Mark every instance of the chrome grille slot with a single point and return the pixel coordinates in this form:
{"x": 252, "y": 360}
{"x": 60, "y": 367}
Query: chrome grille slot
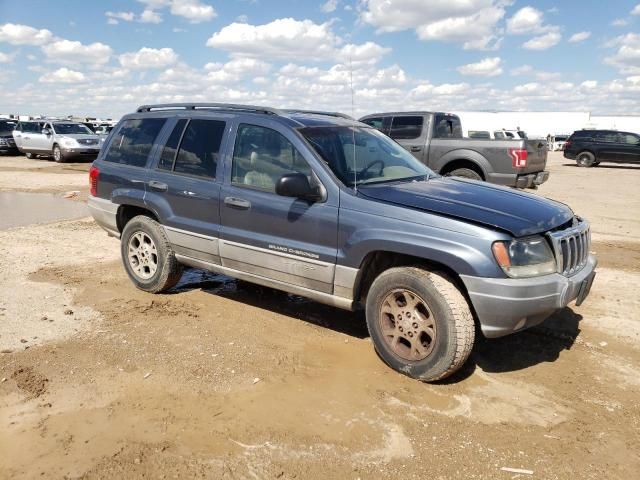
{"x": 571, "y": 247}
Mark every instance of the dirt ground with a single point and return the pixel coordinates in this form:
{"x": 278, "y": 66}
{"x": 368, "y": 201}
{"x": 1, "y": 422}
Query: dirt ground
{"x": 221, "y": 379}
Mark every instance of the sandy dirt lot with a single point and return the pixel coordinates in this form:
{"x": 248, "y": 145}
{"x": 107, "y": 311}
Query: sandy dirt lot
{"x": 221, "y": 379}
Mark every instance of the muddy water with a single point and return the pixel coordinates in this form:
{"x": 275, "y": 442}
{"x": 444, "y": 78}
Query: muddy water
{"x": 20, "y": 208}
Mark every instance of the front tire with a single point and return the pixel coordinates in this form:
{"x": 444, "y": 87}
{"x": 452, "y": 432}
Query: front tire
{"x": 148, "y": 257}
{"x": 465, "y": 173}
{"x": 419, "y": 322}
{"x": 57, "y": 154}
{"x": 586, "y": 159}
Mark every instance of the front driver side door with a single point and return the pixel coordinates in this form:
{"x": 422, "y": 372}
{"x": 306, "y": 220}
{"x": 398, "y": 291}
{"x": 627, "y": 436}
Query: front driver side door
{"x": 284, "y": 239}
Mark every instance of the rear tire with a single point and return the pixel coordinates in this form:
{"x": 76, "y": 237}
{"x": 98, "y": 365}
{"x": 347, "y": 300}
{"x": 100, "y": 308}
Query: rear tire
{"x": 464, "y": 173}
{"x": 419, "y": 322}
{"x": 148, "y": 257}
{"x": 586, "y": 159}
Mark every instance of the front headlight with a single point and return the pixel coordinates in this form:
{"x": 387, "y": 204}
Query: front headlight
{"x": 3, "y": 142}
{"x": 525, "y": 257}
{"x": 69, "y": 142}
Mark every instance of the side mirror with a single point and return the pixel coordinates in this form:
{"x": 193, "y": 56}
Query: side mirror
{"x": 46, "y": 131}
{"x": 297, "y": 185}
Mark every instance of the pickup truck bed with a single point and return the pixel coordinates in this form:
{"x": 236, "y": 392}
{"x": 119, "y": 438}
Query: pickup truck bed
{"x": 436, "y": 140}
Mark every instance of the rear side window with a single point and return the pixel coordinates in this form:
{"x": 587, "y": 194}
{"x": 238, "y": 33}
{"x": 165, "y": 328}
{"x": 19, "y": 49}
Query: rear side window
{"x": 200, "y": 147}
{"x": 607, "y": 137}
{"x": 447, "y": 126}
{"x": 134, "y": 141}
{"x": 170, "y": 149}
{"x": 406, "y": 128}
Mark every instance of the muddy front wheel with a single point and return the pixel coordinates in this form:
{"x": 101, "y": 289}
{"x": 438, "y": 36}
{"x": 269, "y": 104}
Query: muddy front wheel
{"x": 419, "y": 322}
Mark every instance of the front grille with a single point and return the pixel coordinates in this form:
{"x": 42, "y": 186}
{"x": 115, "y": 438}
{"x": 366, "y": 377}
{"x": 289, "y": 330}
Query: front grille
{"x": 87, "y": 141}
{"x": 571, "y": 247}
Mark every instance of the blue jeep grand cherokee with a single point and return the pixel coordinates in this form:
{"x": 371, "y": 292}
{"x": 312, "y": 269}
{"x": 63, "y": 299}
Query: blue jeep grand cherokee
{"x": 320, "y": 205}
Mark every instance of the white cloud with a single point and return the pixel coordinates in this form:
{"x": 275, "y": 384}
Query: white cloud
{"x": 470, "y": 22}
{"x": 125, "y": 16}
{"x": 16, "y": 34}
{"x": 150, "y": 16}
{"x": 73, "y": 52}
{"x": 526, "y": 20}
{"x": 63, "y": 75}
{"x": 636, "y": 10}
{"x": 287, "y": 38}
{"x": 620, "y": 22}
{"x": 195, "y": 11}
{"x": 579, "y": 37}
{"x": 543, "y": 42}
{"x": 6, "y": 57}
{"x": 329, "y": 6}
{"x": 522, "y": 70}
{"x": 487, "y": 67}
{"x": 146, "y": 58}
{"x": 589, "y": 84}
{"x": 627, "y": 58}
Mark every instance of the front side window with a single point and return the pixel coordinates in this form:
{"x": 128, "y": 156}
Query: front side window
{"x": 406, "y": 128}
{"x": 447, "y": 126}
{"x": 133, "y": 142}
{"x": 261, "y": 156}
{"x": 360, "y": 155}
{"x": 70, "y": 129}
{"x": 31, "y": 127}
{"x": 200, "y": 148}
{"x": 629, "y": 139}
{"x": 376, "y": 122}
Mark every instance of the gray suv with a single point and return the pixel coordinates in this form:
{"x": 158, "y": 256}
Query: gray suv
{"x": 320, "y": 205}
{"x": 62, "y": 140}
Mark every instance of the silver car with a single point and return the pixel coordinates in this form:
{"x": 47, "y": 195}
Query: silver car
{"x": 62, "y": 140}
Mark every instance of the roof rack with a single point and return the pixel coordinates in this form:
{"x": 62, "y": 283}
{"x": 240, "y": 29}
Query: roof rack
{"x": 318, "y": 112}
{"x": 204, "y": 106}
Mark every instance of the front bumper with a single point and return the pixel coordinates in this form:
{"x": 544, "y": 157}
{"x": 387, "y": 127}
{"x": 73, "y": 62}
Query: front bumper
{"x": 532, "y": 180}
{"x": 507, "y": 305}
{"x": 80, "y": 152}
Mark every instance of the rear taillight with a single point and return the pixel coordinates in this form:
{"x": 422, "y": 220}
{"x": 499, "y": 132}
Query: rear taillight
{"x": 567, "y": 144}
{"x": 94, "y": 173}
{"x": 519, "y": 157}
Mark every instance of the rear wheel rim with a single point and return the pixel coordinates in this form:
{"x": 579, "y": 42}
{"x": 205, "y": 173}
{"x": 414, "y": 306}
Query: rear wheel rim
{"x": 407, "y": 325}
{"x": 142, "y": 255}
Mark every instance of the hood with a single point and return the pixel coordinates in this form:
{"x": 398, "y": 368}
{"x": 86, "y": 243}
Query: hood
{"x": 78, "y": 136}
{"x": 516, "y": 212}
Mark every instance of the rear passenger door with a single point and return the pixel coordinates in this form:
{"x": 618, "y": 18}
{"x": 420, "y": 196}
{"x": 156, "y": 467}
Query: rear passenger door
{"x": 183, "y": 189}
{"x": 284, "y": 239}
{"x": 606, "y": 146}
{"x": 409, "y": 131}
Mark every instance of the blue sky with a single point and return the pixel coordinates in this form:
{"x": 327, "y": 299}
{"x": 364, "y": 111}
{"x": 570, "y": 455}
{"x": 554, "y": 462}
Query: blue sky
{"x": 104, "y": 58}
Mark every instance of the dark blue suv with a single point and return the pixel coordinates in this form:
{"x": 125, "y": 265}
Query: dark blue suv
{"x": 320, "y": 205}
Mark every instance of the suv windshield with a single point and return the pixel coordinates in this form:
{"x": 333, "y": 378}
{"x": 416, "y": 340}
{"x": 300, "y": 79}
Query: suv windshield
{"x": 359, "y": 155}
{"x": 7, "y": 127}
{"x": 71, "y": 129}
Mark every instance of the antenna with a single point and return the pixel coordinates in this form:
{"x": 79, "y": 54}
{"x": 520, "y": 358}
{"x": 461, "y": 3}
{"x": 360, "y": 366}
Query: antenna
{"x": 353, "y": 132}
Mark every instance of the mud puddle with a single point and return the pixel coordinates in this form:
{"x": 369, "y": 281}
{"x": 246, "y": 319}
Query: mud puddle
{"x": 21, "y": 208}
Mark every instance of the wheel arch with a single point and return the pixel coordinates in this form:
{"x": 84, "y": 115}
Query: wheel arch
{"x": 463, "y": 163}
{"x": 126, "y": 212}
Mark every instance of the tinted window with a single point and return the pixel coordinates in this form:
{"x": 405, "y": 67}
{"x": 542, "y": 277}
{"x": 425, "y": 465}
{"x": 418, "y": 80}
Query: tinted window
{"x": 406, "y": 128}
{"x": 198, "y": 154}
{"x": 376, "y": 122}
{"x": 6, "y": 127}
{"x": 581, "y": 134}
{"x": 628, "y": 138}
{"x": 479, "y": 134}
{"x": 133, "y": 142}
{"x": 607, "y": 137}
{"x": 447, "y": 126}
{"x": 32, "y": 127}
{"x": 261, "y": 156}
{"x": 170, "y": 149}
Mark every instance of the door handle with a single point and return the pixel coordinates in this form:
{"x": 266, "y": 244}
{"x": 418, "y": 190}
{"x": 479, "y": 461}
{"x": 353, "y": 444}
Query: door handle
{"x": 237, "y": 203}
{"x": 159, "y": 186}
{"x": 416, "y": 149}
